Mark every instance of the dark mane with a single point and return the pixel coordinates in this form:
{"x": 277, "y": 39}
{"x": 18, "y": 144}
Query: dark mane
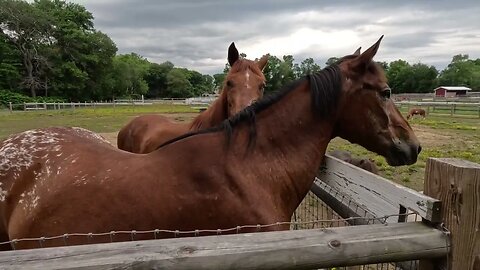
{"x": 325, "y": 89}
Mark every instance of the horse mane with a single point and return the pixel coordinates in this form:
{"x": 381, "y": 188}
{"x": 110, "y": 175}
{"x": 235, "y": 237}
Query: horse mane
{"x": 325, "y": 88}
{"x": 213, "y": 115}
{"x": 217, "y": 112}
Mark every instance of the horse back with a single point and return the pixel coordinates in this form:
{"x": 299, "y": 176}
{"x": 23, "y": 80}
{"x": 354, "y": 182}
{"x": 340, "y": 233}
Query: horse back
{"x": 146, "y": 133}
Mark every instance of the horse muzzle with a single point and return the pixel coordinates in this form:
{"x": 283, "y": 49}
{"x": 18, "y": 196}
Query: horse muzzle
{"x": 403, "y": 153}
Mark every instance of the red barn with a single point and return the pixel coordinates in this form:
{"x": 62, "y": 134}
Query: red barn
{"x": 451, "y": 91}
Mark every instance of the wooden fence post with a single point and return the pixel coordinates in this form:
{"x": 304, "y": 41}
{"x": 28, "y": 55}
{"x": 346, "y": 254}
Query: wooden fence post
{"x": 456, "y": 183}
{"x": 10, "y": 106}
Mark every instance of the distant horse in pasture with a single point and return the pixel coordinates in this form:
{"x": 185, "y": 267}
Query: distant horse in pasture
{"x": 364, "y": 163}
{"x": 416, "y": 111}
{"x": 254, "y": 168}
{"x": 243, "y": 85}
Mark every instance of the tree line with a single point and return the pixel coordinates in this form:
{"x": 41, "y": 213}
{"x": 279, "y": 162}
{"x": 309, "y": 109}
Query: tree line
{"x": 50, "y": 49}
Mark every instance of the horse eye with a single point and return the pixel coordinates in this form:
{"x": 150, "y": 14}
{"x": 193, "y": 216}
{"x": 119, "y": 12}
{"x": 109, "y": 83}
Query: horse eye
{"x": 386, "y": 93}
{"x": 229, "y": 83}
{"x": 261, "y": 87}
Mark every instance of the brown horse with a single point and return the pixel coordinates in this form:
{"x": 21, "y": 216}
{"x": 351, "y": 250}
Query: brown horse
{"x": 254, "y": 168}
{"x": 243, "y": 85}
{"x": 416, "y": 111}
{"x": 364, "y": 163}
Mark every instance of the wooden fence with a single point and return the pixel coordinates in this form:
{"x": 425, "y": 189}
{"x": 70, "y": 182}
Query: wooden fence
{"x": 471, "y": 109}
{"x": 359, "y": 197}
{"x": 444, "y": 108}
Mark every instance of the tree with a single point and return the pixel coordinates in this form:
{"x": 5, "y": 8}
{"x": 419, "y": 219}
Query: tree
{"x": 400, "y": 76}
{"x": 128, "y": 75}
{"x": 81, "y": 56}
{"x": 156, "y": 79}
{"x": 178, "y": 84}
{"x": 29, "y": 29}
{"x": 218, "y": 80}
{"x": 405, "y": 78}
{"x": 331, "y": 61}
{"x": 10, "y": 65}
{"x": 307, "y": 66}
{"x": 272, "y": 74}
{"x": 425, "y": 78}
{"x": 461, "y": 71}
{"x": 286, "y": 69}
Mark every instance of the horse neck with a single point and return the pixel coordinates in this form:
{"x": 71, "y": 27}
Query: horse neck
{"x": 214, "y": 115}
{"x": 289, "y": 148}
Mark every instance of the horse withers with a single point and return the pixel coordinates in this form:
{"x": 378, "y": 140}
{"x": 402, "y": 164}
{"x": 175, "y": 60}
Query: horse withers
{"x": 243, "y": 85}
{"x": 254, "y": 168}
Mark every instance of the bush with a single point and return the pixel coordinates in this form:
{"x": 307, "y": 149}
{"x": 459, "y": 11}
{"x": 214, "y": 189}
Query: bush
{"x": 16, "y": 98}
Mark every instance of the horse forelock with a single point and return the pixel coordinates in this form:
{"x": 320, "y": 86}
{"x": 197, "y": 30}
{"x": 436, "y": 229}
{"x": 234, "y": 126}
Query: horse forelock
{"x": 242, "y": 65}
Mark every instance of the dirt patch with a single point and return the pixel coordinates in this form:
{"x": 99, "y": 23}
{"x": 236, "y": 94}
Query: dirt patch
{"x": 431, "y": 137}
{"x": 111, "y": 137}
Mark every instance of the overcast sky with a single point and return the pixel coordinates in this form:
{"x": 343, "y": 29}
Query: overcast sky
{"x": 196, "y": 33}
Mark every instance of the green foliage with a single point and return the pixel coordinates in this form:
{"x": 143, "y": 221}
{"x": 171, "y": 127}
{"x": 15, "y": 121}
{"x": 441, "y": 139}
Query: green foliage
{"x": 10, "y": 65}
{"x": 16, "y": 98}
{"x": 29, "y": 30}
{"x": 178, "y": 85}
{"x": 307, "y": 66}
{"x": 157, "y": 79}
{"x": 405, "y": 78}
{"x": 128, "y": 75}
{"x": 461, "y": 71}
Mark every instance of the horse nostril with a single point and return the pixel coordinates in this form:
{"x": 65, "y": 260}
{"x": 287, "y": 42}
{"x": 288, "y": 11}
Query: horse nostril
{"x": 419, "y": 149}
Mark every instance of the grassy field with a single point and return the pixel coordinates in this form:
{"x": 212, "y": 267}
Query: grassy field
{"x": 441, "y": 136}
{"x": 103, "y": 119}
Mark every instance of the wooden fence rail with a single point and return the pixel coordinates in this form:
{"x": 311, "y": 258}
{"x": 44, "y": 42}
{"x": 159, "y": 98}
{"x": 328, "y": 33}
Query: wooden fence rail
{"x": 303, "y": 249}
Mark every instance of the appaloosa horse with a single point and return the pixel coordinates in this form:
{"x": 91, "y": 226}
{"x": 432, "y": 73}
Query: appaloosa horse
{"x": 416, "y": 111}
{"x": 254, "y": 168}
{"x": 243, "y": 85}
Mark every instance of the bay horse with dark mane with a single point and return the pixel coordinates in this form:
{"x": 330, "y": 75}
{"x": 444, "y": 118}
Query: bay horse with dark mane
{"x": 416, "y": 111}
{"x": 254, "y": 168}
{"x": 243, "y": 85}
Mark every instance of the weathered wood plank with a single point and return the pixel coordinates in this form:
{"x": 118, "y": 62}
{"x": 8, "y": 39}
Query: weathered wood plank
{"x": 457, "y": 183}
{"x": 303, "y": 249}
{"x": 377, "y": 194}
{"x": 345, "y": 206}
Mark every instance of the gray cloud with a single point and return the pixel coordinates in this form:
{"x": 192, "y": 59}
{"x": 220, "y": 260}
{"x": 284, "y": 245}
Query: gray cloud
{"x": 196, "y": 34}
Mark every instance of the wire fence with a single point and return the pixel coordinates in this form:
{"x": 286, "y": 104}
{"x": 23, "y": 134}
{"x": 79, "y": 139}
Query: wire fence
{"x": 134, "y": 235}
{"x": 312, "y": 208}
{"x": 312, "y": 213}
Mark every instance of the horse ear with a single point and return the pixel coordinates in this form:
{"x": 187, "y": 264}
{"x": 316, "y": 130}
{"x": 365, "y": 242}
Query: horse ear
{"x": 366, "y": 57}
{"x": 357, "y": 52}
{"x": 262, "y": 62}
{"x": 233, "y": 54}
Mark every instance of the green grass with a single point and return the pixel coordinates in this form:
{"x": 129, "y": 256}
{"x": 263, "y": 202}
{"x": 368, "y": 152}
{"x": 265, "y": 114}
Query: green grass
{"x": 103, "y": 119}
{"x": 443, "y": 137}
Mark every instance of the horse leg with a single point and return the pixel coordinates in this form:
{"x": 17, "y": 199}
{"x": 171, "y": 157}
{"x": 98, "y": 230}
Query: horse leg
{"x": 3, "y": 233}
